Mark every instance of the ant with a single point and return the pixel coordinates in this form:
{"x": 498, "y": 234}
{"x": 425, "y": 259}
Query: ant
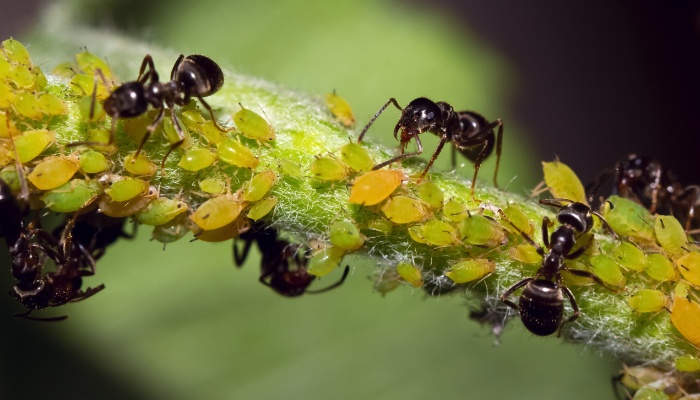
{"x": 95, "y": 231}
{"x": 470, "y": 133}
{"x": 192, "y": 76}
{"x": 277, "y": 254}
{"x": 541, "y": 304}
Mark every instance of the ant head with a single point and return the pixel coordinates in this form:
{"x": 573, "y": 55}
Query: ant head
{"x": 577, "y": 215}
{"x": 199, "y": 75}
{"x": 128, "y": 100}
{"x": 419, "y": 116}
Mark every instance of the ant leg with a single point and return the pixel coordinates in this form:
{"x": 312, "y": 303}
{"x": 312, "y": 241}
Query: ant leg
{"x": 175, "y": 145}
{"x": 432, "y": 159}
{"x": 402, "y": 156}
{"x": 335, "y": 285}
{"x": 507, "y": 293}
{"x": 175, "y": 66}
{"x": 150, "y": 72}
{"x": 98, "y": 72}
{"x": 499, "y": 145}
{"x": 527, "y": 237}
{"x": 149, "y": 130}
{"x": 211, "y": 112}
{"x": 655, "y": 191}
{"x": 574, "y": 306}
{"x": 371, "y": 121}
{"x": 555, "y": 202}
{"x": 601, "y": 179}
{"x": 591, "y": 275}
{"x": 25, "y": 315}
{"x": 605, "y": 224}
{"x": 239, "y": 259}
{"x": 545, "y": 232}
{"x": 87, "y": 293}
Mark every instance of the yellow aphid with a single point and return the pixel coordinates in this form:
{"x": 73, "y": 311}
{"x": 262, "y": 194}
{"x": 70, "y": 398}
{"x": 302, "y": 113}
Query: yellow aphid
{"x": 7, "y": 126}
{"x": 252, "y": 125}
{"x": 140, "y": 166}
{"x": 563, "y": 182}
{"x": 121, "y": 209}
{"x": 262, "y": 208}
{"x": 126, "y": 189}
{"x": 211, "y": 132}
{"x": 196, "y": 159}
{"x": 375, "y": 186}
{"x": 226, "y": 232}
{"x": 235, "y": 153}
{"x": 32, "y": 143}
{"x": 410, "y": 274}
{"x": 628, "y": 218}
{"x": 217, "y": 212}
{"x": 258, "y": 186}
{"x": 213, "y": 186}
{"x": 517, "y": 218}
{"x": 404, "y": 210}
{"x": 161, "y": 211}
{"x": 380, "y": 224}
{"x": 470, "y": 270}
{"x": 670, "y": 234}
{"x": 7, "y": 95}
{"x": 52, "y": 173}
{"x": 328, "y": 169}
{"x": 525, "y": 253}
{"x": 685, "y": 316}
{"x": 340, "y": 109}
{"x": 689, "y": 266}
{"x": 27, "y": 105}
{"x": 438, "y": 233}
{"x": 648, "y": 300}
{"x": 89, "y": 63}
{"x": 50, "y": 104}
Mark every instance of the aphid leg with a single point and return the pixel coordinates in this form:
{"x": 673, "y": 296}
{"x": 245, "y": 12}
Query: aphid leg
{"x": 402, "y": 156}
{"x": 335, "y": 285}
{"x": 152, "y": 127}
{"x": 371, "y": 121}
{"x": 507, "y": 293}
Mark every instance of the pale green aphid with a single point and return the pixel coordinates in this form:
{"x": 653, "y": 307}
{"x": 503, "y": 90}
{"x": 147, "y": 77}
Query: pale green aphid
{"x": 89, "y": 63}
{"x": 27, "y": 105}
{"x": 628, "y": 218}
{"x": 607, "y": 270}
{"x": 670, "y": 234}
{"x": 454, "y": 211}
{"x": 213, "y": 186}
{"x": 98, "y": 113}
{"x": 481, "y": 231}
{"x": 345, "y": 235}
{"x": 196, "y": 159}
{"x": 252, "y": 125}
{"x": 262, "y": 208}
{"x": 410, "y": 274}
{"x": 139, "y": 166}
{"x": 563, "y": 182}
{"x": 687, "y": 363}
{"x": 32, "y": 143}
{"x": 71, "y": 196}
{"x": 570, "y": 279}
{"x": 356, "y": 157}
{"x": 93, "y": 162}
{"x": 438, "y": 233}
{"x": 387, "y": 281}
{"x": 648, "y": 300}
{"x": 660, "y": 268}
{"x": 15, "y": 51}
{"x": 126, "y": 189}
{"x": 211, "y": 132}
{"x": 258, "y": 186}
{"x": 689, "y": 266}
{"x": 517, "y": 219}
{"x": 4, "y": 67}
{"x": 7, "y": 95}
{"x": 328, "y": 169}
{"x": 172, "y": 135}
{"x": 161, "y": 211}
{"x": 50, "y": 104}
{"x": 470, "y": 270}
{"x": 340, "y": 109}
{"x": 325, "y": 261}
{"x": 525, "y": 253}
{"x": 21, "y": 77}
{"x": 52, "y": 172}
{"x": 235, "y": 153}
{"x": 380, "y": 224}
{"x": 431, "y": 194}
{"x": 9, "y": 176}
{"x": 290, "y": 168}
{"x": 404, "y": 210}
{"x": 83, "y": 85}
{"x": 629, "y": 256}
{"x": 416, "y": 234}
{"x": 171, "y": 231}
{"x": 40, "y": 80}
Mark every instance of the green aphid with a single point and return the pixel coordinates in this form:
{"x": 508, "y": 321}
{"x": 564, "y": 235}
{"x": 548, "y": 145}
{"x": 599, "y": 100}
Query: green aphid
{"x": 139, "y": 166}
{"x": 21, "y": 77}
{"x": 7, "y": 96}
{"x": 173, "y": 135}
{"x": 72, "y": 195}
{"x": 213, "y": 186}
{"x": 356, "y": 157}
{"x": 325, "y": 261}
{"x": 11, "y": 178}
{"x": 126, "y": 189}
{"x": 328, "y": 169}
{"x": 629, "y": 256}
{"x": 438, "y": 233}
{"x": 628, "y": 218}
{"x": 479, "y": 230}
{"x": 687, "y": 363}
{"x": 93, "y": 162}
{"x": 262, "y": 208}
{"x": 27, "y": 105}
{"x": 346, "y": 235}
{"x": 670, "y": 234}
{"x": 648, "y": 301}
{"x": 101, "y": 135}
{"x": 192, "y": 119}
{"x": 16, "y": 52}
{"x": 50, "y": 104}
{"x": 252, "y": 125}
{"x": 161, "y": 211}
{"x": 196, "y": 159}
{"x": 607, "y": 270}
{"x": 660, "y": 268}
{"x": 89, "y": 63}
{"x": 454, "y": 211}
{"x": 410, "y": 273}
{"x": 5, "y": 67}
{"x": 517, "y": 218}
{"x": 416, "y": 234}
{"x": 380, "y": 224}
{"x": 98, "y": 113}
{"x": 431, "y": 194}
{"x": 236, "y": 153}
{"x": 259, "y": 185}
{"x": 211, "y": 132}
{"x": 563, "y": 182}
{"x": 570, "y": 279}
{"x": 290, "y": 168}
{"x": 31, "y": 144}
{"x": 470, "y": 270}
{"x": 171, "y": 231}
{"x": 404, "y": 210}
{"x": 40, "y": 80}
{"x": 82, "y": 85}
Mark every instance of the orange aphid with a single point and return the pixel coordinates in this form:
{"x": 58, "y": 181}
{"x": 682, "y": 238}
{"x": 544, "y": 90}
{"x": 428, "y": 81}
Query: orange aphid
{"x": 375, "y": 186}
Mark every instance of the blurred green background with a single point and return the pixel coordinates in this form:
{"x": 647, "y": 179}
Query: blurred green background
{"x": 184, "y": 323}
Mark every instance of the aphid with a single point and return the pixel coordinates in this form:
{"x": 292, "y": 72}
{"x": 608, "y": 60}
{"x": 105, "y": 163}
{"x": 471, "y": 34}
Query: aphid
{"x": 93, "y": 162}
{"x": 629, "y": 256}
{"x": 410, "y": 273}
{"x": 32, "y": 143}
{"x": 121, "y": 209}
{"x": 226, "y": 232}
{"x": 689, "y": 266}
{"x": 346, "y": 235}
{"x": 541, "y": 304}
{"x": 139, "y": 165}
{"x": 562, "y": 182}
{"x": 7, "y": 95}
{"x": 454, "y": 210}
{"x": 252, "y": 125}
{"x": 479, "y": 230}
{"x": 262, "y": 208}
{"x": 526, "y": 254}
{"x": 380, "y": 224}
{"x": 518, "y": 219}
{"x": 660, "y": 268}
{"x": 21, "y": 77}
{"x": 50, "y": 104}
{"x": 375, "y": 186}
{"x": 90, "y": 63}
{"x": 211, "y": 132}
{"x": 670, "y": 234}
{"x": 213, "y": 186}
{"x": 171, "y": 231}
{"x": 324, "y": 261}
{"x": 648, "y": 301}
{"x": 469, "y": 132}
{"x": 340, "y": 109}
{"x": 217, "y": 212}
{"x": 685, "y": 316}
{"x": 328, "y": 169}
{"x": 71, "y": 196}
{"x": 355, "y": 156}
{"x": 290, "y": 168}
{"x": 607, "y": 270}
{"x": 15, "y": 51}
{"x": 404, "y": 210}
{"x": 27, "y": 105}
{"x": 687, "y": 363}
{"x": 52, "y": 173}
{"x": 628, "y": 218}
{"x": 94, "y": 113}
{"x": 386, "y": 281}
{"x": 258, "y": 186}
{"x": 470, "y": 270}
{"x": 181, "y": 138}
{"x": 126, "y": 189}
{"x": 161, "y": 211}
{"x": 436, "y": 233}
{"x": 431, "y": 194}
{"x": 235, "y": 153}
{"x": 196, "y": 159}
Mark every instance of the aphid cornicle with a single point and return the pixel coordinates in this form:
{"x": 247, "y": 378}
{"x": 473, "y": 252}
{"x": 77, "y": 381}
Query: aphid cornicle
{"x": 469, "y": 132}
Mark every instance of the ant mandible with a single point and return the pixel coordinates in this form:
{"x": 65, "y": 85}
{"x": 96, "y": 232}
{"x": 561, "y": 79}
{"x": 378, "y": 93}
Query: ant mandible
{"x": 469, "y": 132}
{"x": 541, "y": 304}
{"x": 192, "y": 76}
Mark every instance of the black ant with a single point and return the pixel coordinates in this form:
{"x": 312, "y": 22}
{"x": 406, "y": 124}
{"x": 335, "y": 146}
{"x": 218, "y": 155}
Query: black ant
{"x": 541, "y": 304}
{"x": 278, "y": 256}
{"x": 192, "y": 76}
{"x": 469, "y": 132}
{"x": 95, "y": 231}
